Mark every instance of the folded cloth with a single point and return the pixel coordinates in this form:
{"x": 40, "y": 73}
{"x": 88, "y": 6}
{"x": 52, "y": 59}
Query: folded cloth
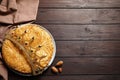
{"x": 15, "y": 12}
{"x": 3, "y": 30}
{"x": 3, "y": 71}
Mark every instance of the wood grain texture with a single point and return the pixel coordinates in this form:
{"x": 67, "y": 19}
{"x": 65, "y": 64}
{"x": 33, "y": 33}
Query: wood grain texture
{"x": 79, "y": 3}
{"x": 88, "y": 66}
{"x": 81, "y": 77}
{"x": 88, "y": 49}
{"x": 84, "y": 32}
{"x": 76, "y": 16}
{"x": 67, "y": 77}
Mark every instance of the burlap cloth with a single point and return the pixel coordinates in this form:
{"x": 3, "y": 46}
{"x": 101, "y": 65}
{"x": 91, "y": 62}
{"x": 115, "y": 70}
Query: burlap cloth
{"x": 15, "y": 12}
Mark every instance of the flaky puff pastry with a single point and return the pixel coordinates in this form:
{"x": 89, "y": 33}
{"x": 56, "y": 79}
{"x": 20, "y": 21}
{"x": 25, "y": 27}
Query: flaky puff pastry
{"x": 34, "y": 39}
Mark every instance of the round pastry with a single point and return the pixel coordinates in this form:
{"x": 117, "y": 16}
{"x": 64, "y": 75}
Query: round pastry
{"x": 28, "y": 49}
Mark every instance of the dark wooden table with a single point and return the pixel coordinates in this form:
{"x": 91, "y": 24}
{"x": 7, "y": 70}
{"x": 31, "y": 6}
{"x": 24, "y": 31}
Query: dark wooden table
{"x": 87, "y": 34}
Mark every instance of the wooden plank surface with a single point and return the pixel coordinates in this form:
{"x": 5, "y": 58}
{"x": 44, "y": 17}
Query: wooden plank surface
{"x": 87, "y": 34}
{"x": 88, "y": 48}
{"x": 86, "y": 65}
{"x": 79, "y": 3}
{"x": 82, "y": 77}
{"x": 67, "y": 77}
{"x": 78, "y": 16}
{"x": 84, "y": 32}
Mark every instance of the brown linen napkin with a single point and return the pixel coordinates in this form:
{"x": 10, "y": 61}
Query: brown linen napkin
{"x": 3, "y": 71}
{"x": 15, "y": 12}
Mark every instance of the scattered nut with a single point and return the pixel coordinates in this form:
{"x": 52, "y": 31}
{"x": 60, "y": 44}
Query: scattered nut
{"x": 59, "y": 63}
{"x": 60, "y": 70}
{"x": 54, "y": 69}
{"x": 58, "y": 67}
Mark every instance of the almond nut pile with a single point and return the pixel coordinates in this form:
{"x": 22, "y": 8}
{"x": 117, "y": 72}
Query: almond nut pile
{"x": 58, "y": 67}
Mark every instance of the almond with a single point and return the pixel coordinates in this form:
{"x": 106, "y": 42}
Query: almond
{"x": 60, "y": 70}
{"x": 54, "y": 69}
{"x": 59, "y": 63}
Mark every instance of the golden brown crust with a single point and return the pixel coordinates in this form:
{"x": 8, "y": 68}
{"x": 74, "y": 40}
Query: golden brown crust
{"x": 34, "y": 39}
